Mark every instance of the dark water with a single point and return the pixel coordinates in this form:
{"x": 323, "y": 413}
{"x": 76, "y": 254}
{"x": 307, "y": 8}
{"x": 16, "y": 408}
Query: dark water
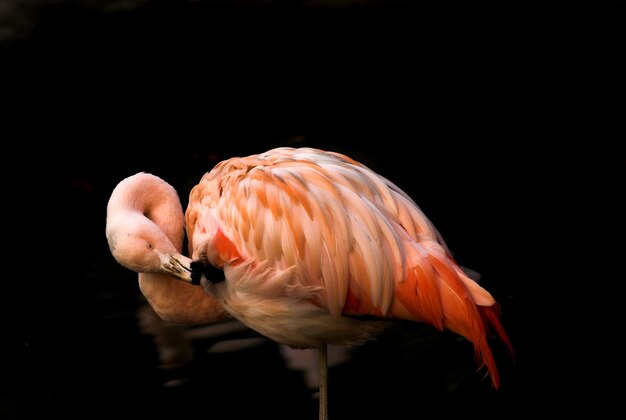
{"x": 456, "y": 107}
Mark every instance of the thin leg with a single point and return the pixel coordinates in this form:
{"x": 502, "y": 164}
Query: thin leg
{"x": 323, "y": 364}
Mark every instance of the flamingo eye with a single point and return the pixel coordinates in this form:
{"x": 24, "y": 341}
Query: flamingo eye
{"x": 150, "y": 246}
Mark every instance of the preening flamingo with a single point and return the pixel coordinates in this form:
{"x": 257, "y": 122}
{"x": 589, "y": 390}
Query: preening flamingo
{"x": 315, "y": 249}
{"x": 145, "y": 230}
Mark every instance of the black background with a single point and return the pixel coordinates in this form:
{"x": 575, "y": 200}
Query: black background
{"x": 503, "y": 121}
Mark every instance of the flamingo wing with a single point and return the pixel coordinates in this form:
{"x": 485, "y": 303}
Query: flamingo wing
{"x": 335, "y": 223}
{"x": 331, "y": 230}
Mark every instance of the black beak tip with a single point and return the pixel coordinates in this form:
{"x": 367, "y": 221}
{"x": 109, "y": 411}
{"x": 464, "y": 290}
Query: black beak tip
{"x": 213, "y": 274}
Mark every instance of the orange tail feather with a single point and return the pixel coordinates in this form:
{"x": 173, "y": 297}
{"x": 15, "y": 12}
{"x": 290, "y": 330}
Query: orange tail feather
{"x": 453, "y": 307}
{"x": 492, "y": 316}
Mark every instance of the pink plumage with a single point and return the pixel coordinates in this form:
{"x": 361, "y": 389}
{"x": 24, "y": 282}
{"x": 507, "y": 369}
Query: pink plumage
{"x": 308, "y": 238}
{"x": 309, "y": 241}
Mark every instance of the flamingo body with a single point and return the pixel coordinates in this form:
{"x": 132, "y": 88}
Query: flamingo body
{"x": 310, "y": 240}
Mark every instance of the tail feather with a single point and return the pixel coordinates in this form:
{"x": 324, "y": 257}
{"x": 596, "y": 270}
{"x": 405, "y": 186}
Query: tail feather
{"x": 462, "y": 315}
{"x": 492, "y": 316}
{"x": 462, "y": 305}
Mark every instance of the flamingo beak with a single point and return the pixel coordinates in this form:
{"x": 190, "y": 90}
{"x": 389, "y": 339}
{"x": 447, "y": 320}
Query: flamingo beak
{"x": 177, "y": 266}
{"x": 208, "y": 271}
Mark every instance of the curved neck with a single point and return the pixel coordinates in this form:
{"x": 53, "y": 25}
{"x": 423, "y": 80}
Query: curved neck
{"x": 149, "y": 197}
{"x": 179, "y": 302}
{"x": 154, "y": 199}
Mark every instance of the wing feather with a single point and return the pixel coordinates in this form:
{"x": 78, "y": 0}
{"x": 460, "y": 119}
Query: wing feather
{"x": 320, "y": 226}
{"x": 335, "y": 223}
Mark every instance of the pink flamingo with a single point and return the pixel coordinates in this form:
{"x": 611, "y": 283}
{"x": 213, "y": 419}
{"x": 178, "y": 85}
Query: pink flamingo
{"x": 315, "y": 249}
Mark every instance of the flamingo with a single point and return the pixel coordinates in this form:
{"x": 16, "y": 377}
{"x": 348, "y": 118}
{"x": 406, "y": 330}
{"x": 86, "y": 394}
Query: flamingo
{"x": 313, "y": 248}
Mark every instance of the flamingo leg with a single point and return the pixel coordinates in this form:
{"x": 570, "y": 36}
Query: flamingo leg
{"x": 323, "y": 366}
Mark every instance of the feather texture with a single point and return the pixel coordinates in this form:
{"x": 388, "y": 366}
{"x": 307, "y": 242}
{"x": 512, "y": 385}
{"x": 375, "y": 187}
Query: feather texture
{"x": 304, "y": 230}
